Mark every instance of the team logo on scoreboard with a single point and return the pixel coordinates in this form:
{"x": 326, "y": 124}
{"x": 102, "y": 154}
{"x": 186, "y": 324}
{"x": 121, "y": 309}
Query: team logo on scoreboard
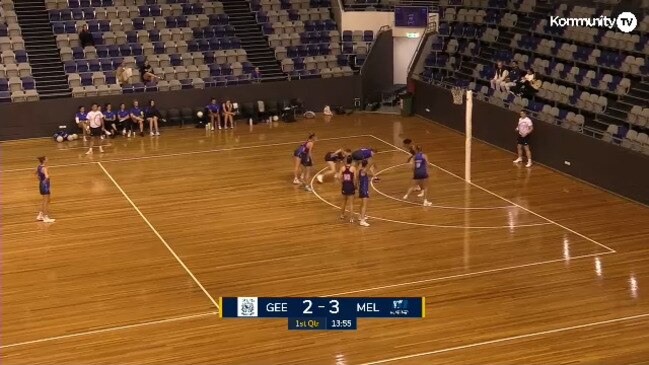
{"x": 399, "y": 307}
{"x": 247, "y": 307}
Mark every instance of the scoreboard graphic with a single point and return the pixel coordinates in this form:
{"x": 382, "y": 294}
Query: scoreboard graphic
{"x": 331, "y": 314}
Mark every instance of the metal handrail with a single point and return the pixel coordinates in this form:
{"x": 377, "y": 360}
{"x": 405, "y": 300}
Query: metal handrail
{"x": 384, "y": 28}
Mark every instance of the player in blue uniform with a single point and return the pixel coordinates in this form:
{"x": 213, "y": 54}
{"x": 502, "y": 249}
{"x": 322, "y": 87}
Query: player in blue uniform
{"x": 137, "y": 117}
{"x": 407, "y": 144}
{"x": 43, "y": 175}
{"x": 348, "y": 176}
{"x": 334, "y": 160}
{"x": 297, "y": 159}
{"x": 366, "y": 153}
{"x": 363, "y": 191}
{"x": 124, "y": 119}
{"x": 214, "y": 113}
{"x": 81, "y": 118}
{"x": 110, "y": 120}
{"x": 420, "y": 175}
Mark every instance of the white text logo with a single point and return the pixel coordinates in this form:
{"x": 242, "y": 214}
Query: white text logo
{"x": 625, "y": 22}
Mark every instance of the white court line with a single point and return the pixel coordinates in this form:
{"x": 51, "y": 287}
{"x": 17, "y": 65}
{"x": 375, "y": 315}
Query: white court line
{"x": 432, "y": 206}
{"x": 502, "y": 198}
{"x": 159, "y": 236}
{"x": 422, "y": 224}
{"x": 469, "y": 274}
{"x": 109, "y": 329}
{"x": 506, "y": 339}
{"x": 190, "y": 153}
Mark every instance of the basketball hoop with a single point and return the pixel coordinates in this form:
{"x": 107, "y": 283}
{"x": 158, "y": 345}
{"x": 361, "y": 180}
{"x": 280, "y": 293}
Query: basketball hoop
{"x": 458, "y": 95}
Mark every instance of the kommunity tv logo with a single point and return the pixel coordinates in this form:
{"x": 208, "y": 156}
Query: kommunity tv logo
{"x": 626, "y": 22}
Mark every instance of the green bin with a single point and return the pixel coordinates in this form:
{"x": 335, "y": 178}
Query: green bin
{"x": 406, "y": 105}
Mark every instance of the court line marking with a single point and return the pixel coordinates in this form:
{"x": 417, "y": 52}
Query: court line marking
{"x": 421, "y": 224}
{"x": 432, "y": 206}
{"x": 189, "y": 153}
{"x": 110, "y": 329}
{"x": 159, "y": 236}
{"x": 475, "y": 273}
{"x": 501, "y": 197}
{"x": 511, "y": 338}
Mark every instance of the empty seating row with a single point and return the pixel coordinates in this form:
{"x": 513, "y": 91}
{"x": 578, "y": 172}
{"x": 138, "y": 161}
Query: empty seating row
{"x": 274, "y": 16}
{"x": 270, "y": 5}
{"x": 147, "y": 23}
{"x": 15, "y": 70}
{"x": 19, "y": 96}
{"x": 296, "y": 39}
{"x": 63, "y": 4}
{"x": 10, "y": 30}
{"x": 17, "y": 83}
{"x": 12, "y": 43}
{"x": 638, "y": 116}
{"x": 310, "y": 50}
{"x": 133, "y": 12}
{"x": 486, "y": 4}
{"x": 12, "y": 57}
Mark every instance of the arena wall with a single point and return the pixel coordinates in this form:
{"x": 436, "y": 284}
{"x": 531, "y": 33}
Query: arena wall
{"x": 600, "y": 163}
{"x": 40, "y": 119}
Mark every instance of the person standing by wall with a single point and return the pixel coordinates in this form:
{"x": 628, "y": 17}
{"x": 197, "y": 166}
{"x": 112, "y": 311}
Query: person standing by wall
{"x": 524, "y": 129}
{"x": 97, "y": 130}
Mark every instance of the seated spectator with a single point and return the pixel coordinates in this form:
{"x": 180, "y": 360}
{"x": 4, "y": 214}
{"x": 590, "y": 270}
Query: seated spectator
{"x": 256, "y": 75}
{"x": 146, "y": 73}
{"x": 110, "y": 120}
{"x": 85, "y": 37}
{"x": 214, "y": 114}
{"x": 327, "y": 111}
{"x": 153, "y": 116}
{"x": 123, "y": 74}
{"x": 514, "y": 71}
{"x": 137, "y": 117}
{"x": 81, "y": 118}
{"x": 523, "y": 83}
{"x": 532, "y": 87}
{"x": 499, "y": 75}
{"x": 124, "y": 120}
{"x": 506, "y": 85}
{"x": 228, "y": 114}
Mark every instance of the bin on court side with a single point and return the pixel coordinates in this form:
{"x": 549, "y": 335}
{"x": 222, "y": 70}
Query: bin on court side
{"x": 406, "y": 105}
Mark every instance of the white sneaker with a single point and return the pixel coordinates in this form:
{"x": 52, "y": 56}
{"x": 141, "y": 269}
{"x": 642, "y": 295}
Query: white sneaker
{"x": 296, "y": 181}
{"x": 405, "y": 197}
{"x": 529, "y": 163}
{"x": 128, "y": 134}
{"x": 108, "y": 133}
{"x": 418, "y": 188}
{"x": 47, "y": 219}
{"x": 124, "y": 132}
{"x": 364, "y": 223}
{"x": 420, "y": 195}
{"x": 427, "y": 203}
{"x": 101, "y": 150}
{"x": 308, "y": 188}
{"x": 152, "y": 134}
{"x": 351, "y": 220}
{"x": 319, "y": 178}
{"x": 40, "y": 216}
{"x": 212, "y": 129}
{"x": 518, "y": 160}
{"x": 89, "y": 152}
{"x": 102, "y": 137}
{"x": 157, "y": 133}
{"x": 219, "y": 127}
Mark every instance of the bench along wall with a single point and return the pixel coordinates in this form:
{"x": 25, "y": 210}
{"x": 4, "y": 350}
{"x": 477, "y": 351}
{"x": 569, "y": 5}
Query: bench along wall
{"x": 600, "y": 163}
{"x": 40, "y": 119}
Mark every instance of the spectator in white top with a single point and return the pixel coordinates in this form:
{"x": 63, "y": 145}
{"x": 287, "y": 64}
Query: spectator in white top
{"x": 97, "y": 129}
{"x": 524, "y": 130}
{"x": 499, "y": 76}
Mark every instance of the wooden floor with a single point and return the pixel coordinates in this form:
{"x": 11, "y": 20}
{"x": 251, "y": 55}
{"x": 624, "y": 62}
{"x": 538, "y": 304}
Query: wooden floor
{"x": 522, "y": 266}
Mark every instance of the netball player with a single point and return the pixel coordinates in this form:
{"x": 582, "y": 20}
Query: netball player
{"x": 334, "y": 161}
{"x": 124, "y": 120}
{"x": 524, "y": 128}
{"x": 306, "y": 160}
{"x": 407, "y": 144}
{"x": 296, "y": 159}
{"x": 214, "y": 112}
{"x": 43, "y": 175}
{"x": 97, "y": 129}
{"x": 81, "y": 118}
{"x": 348, "y": 174}
{"x": 153, "y": 116}
{"x": 420, "y": 175}
{"x": 137, "y": 117}
{"x": 366, "y": 154}
{"x": 363, "y": 191}
{"x": 110, "y": 120}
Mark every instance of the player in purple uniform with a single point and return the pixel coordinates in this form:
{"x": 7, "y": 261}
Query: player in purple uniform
{"x": 306, "y": 160}
{"x": 296, "y": 159}
{"x": 420, "y": 175}
{"x": 81, "y": 118}
{"x": 407, "y": 144}
{"x": 43, "y": 175}
{"x": 214, "y": 113}
{"x": 348, "y": 175}
{"x": 124, "y": 119}
{"x": 366, "y": 153}
{"x": 363, "y": 191}
{"x": 334, "y": 160}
